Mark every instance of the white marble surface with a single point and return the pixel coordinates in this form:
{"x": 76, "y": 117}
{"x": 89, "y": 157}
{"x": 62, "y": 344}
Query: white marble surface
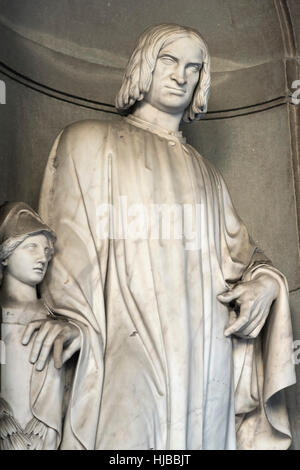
{"x": 160, "y": 367}
{"x": 151, "y": 305}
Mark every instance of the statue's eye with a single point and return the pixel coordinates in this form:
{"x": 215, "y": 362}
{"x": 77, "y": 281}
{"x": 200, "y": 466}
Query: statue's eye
{"x": 195, "y": 67}
{"x": 31, "y": 246}
{"x": 166, "y": 59}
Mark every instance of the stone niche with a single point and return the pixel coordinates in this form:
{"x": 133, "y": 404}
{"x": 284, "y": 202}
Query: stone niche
{"x": 61, "y": 63}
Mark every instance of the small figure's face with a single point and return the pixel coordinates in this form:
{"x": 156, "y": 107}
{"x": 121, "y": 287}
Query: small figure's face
{"x": 29, "y": 261}
{"x": 175, "y": 76}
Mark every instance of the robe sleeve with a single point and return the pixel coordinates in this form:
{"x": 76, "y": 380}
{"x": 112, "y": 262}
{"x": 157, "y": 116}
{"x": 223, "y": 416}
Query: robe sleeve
{"x": 74, "y": 187}
{"x": 263, "y": 366}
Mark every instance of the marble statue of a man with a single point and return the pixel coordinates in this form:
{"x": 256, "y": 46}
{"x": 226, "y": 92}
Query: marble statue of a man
{"x": 30, "y": 402}
{"x": 150, "y": 256}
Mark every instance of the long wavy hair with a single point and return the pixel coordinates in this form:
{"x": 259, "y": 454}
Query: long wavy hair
{"x": 138, "y": 74}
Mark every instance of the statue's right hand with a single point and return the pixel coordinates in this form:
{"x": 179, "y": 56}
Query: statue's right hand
{"x": 63, "y": 336}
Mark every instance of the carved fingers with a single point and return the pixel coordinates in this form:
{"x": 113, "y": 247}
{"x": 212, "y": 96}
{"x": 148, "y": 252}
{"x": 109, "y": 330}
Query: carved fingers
{"x": 251, "y": 301}
{"x": 54, "y": 335}
{"x": 249, "y": 323}
{"x": 29, "y": 330}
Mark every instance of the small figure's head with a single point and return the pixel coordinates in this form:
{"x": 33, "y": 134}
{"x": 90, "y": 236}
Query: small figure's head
{"x": 169, "y": 68}
{"x": 26, "y": 244}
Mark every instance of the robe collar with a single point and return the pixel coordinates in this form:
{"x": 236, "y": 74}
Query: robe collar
{"x": 148, "y": 126}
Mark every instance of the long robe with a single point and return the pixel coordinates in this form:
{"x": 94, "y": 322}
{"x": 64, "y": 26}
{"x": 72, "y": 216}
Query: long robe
{"x": 155, "y": 370}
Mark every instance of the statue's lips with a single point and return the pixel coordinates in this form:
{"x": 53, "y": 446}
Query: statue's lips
{"x": 176, "y": 91}
{"x": 39, "y": 270}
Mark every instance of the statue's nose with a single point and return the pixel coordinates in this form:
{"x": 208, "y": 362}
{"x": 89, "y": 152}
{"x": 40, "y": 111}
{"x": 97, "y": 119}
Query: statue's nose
{"x": 41, "y": 256}
{"x": 179, "y": 77}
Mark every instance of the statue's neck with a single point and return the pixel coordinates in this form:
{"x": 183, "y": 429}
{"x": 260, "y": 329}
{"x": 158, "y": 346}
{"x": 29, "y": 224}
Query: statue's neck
{"x": 14, "y": 292}
{"x": 148, "y": 113}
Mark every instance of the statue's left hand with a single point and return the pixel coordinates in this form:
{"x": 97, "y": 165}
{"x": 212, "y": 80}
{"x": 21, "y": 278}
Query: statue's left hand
{"x": 63, "y": 336}
{"x": 253, "y": 299}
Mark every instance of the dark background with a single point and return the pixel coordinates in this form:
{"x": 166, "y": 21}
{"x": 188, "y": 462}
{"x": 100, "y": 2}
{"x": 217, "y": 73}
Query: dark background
{"x": 62, "y": 61}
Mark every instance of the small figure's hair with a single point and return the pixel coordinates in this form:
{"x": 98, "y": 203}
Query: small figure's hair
{"x": 138, "y": 74}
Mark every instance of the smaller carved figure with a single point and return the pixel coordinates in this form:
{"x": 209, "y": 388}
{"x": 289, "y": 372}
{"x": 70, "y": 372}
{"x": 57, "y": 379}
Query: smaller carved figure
{"x": 30, "y": 418}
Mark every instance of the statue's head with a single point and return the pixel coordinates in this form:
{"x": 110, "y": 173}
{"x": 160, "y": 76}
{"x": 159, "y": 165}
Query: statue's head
{"x": 26, "y": 243}
{"x": 152, "y": 46}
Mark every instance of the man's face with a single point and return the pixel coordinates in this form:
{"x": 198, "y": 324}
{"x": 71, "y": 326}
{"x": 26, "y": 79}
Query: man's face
{"x": 175, "y": 76}
{"x": 29, "y": 261}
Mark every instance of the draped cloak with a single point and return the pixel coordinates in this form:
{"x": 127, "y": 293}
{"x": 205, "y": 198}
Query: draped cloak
{"x": 155, "y": 370}
{"x": 20, "y": 428}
